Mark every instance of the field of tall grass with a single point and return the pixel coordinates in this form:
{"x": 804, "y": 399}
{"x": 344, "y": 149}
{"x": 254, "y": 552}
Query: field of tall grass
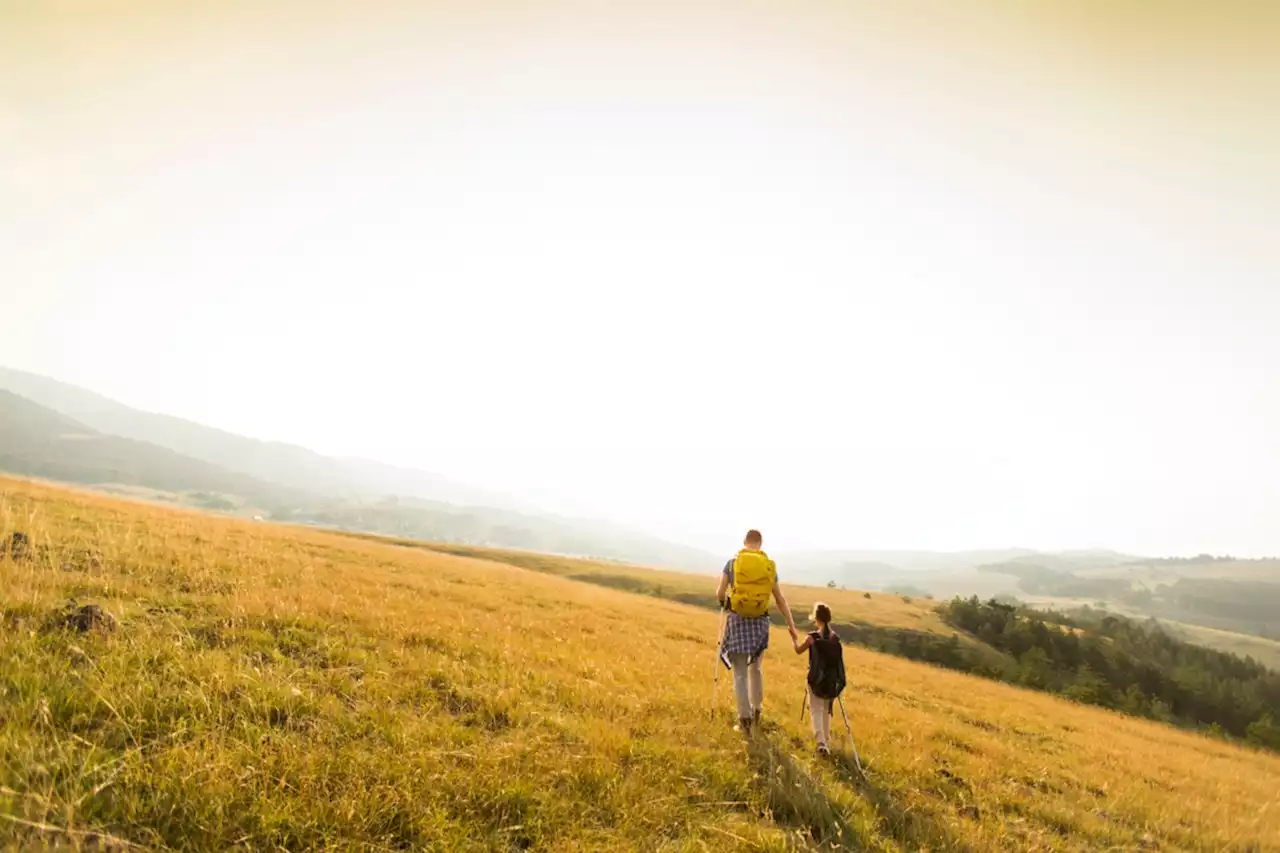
{"x": 270, "y": 688}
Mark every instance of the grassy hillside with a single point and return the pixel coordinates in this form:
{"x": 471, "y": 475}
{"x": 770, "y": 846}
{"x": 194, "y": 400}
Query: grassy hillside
{"x": 271, "y": 687}
{"x": 1266, "y": 652}
{"x": 1192, "y": 684}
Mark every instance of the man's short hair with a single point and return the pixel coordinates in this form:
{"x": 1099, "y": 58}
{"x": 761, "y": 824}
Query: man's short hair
{"x": 753, "y": 539}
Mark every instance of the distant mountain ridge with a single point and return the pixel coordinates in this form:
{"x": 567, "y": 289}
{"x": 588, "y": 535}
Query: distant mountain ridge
{"x": 53, "y": 430}
{"x": 942, "y": 572}
{"x": 39, "y": 442}
{"x": 274, "y": 462}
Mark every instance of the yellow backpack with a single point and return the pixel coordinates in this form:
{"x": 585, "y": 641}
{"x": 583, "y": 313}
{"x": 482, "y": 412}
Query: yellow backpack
{"x": 753, "y": 577}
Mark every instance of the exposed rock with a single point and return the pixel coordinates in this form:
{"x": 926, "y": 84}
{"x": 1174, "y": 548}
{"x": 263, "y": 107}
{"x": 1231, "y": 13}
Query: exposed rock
{"x": 82, "y": 618}
{"x": 17, "y": 546}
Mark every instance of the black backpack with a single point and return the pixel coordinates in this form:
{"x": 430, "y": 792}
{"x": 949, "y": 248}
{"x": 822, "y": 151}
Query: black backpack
{"x": 826, "y": 665}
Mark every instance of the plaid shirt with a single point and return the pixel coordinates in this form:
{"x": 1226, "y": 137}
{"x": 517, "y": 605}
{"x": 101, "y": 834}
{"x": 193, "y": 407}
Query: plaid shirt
{"x": 742, "y": 635}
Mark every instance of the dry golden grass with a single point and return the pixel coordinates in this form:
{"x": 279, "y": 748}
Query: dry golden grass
{"x": 274, "y": 688}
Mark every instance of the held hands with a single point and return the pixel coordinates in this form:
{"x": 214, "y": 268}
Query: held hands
{"x": 795, "y": 637}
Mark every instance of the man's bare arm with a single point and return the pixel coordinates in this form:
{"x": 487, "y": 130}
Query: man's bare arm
{"x": 781, "y": 598}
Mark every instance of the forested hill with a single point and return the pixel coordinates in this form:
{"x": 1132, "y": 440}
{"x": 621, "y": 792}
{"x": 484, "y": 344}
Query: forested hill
{"x": 1134, "y": 667}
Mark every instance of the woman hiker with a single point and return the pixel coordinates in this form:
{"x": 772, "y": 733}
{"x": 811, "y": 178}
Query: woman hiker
{"x": 745, "y": 586}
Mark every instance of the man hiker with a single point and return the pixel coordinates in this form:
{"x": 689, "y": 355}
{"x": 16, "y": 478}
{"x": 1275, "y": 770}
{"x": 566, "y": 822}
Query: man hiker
{"x": 745, "y": 586}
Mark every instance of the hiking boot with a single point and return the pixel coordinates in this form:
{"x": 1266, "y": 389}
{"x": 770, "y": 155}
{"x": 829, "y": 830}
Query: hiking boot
{"x": 755, "y": 716}
{"x": 824, "y": 750}
{"x": 744, "y": 726}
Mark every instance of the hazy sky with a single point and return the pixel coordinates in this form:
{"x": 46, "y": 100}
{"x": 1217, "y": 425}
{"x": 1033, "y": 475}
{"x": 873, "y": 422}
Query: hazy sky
{"x": 861, "y": 274}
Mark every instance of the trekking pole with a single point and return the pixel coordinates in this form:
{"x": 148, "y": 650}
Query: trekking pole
{"x": 715, "y": 690}
{"x": 804, "y": 700}
{"x": 849, "y": 729}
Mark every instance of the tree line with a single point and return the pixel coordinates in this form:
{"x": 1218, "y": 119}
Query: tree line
{"x": 1134, "y": 667}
